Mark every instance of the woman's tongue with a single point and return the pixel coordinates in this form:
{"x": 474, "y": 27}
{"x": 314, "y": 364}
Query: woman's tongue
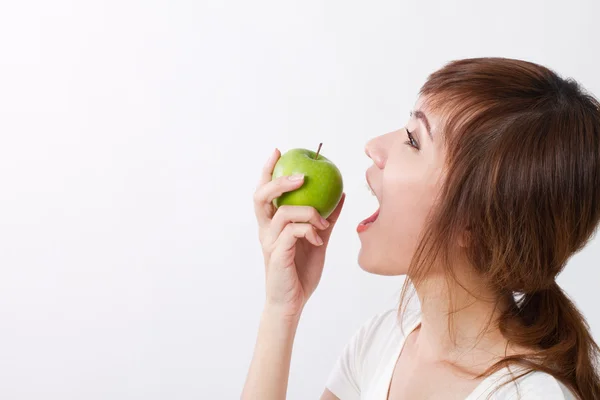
{"x": 371, "y": 219}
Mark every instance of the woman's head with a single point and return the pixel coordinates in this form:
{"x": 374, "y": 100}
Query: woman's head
{"x": 523, "y": 175}
{"x": 511, "y": 184}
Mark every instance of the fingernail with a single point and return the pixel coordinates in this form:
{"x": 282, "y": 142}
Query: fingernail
{"x": 319, "y": 240}
{"x": 324, "y": 222}
{"x": 296, "y": 177}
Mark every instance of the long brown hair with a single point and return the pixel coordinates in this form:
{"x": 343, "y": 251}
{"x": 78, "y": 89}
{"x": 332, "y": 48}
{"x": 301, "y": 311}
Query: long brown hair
{"x": 522, "y": 178}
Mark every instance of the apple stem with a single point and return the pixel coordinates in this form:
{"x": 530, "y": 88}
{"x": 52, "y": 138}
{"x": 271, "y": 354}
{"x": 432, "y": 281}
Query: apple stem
{"x": 318, "y": 150}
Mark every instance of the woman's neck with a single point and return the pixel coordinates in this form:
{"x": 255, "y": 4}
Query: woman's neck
{"x": 477, "y": 339}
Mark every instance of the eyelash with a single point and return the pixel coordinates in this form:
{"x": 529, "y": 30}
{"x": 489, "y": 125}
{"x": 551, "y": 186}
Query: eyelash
{"x": 410, "y": 140}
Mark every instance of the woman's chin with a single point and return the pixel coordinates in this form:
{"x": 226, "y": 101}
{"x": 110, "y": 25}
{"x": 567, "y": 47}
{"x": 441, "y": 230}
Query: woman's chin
{"x": 376, "y": 266}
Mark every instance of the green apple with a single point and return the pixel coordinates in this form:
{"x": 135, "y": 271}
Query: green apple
{"x": 322, "y": 187}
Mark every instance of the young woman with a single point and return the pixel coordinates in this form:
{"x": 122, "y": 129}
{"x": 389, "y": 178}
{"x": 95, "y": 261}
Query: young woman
{"x": 485, "y": 194}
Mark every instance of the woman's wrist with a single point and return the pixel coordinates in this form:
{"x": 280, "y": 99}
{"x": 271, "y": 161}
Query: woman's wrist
{"x": 281, "y": 314}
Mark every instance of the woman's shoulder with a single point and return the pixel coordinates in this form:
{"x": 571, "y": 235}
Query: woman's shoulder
{"x": 542, "y": 385}
{"x": 386, "y": 328}
{"x": 369, "y": 352}
{"x": 534, "y": 385}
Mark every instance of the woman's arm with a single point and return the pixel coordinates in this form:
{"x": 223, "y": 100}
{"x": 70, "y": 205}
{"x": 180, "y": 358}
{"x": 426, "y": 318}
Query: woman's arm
{"x": 270, "y": 367}
{"x": 269, "y": 370}
{"x": 294, "y": 240}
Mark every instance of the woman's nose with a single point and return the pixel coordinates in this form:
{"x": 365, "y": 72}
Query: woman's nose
{"x": 376, "y": 152}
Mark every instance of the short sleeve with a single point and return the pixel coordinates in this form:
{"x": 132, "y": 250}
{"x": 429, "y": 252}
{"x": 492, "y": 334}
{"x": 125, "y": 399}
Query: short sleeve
{"x": 344, "y": 381}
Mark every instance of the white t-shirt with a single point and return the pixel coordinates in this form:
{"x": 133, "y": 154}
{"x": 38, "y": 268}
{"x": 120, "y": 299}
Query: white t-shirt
{"x": 364, "y": 369}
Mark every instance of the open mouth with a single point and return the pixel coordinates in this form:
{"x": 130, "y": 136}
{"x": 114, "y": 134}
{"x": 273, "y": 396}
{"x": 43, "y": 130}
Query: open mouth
{"x": 364, "y": 224}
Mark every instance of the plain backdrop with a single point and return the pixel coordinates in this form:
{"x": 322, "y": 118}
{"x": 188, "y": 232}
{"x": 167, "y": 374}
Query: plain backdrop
{"x": 132, "y": 137}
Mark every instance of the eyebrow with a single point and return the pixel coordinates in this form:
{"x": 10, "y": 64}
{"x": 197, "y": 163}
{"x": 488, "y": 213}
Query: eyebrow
{"x": 418, "y": 114}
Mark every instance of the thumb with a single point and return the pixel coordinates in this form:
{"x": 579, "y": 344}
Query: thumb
{"x": 332, "y": 219}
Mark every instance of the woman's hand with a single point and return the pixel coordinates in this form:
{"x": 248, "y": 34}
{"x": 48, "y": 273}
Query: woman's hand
{"x": 293, "y": 239}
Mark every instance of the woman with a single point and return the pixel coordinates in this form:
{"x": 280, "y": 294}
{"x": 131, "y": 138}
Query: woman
{"x": 490, "y": 188}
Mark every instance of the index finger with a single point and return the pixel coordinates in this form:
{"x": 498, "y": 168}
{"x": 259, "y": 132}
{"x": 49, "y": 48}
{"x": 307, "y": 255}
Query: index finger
{"x": 267, "y": 171}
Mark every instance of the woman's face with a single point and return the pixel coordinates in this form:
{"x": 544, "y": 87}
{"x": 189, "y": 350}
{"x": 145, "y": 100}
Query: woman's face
{"x": 405, "y": 180}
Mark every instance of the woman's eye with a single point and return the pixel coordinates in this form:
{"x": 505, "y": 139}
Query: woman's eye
{"x": 411, "y": 141}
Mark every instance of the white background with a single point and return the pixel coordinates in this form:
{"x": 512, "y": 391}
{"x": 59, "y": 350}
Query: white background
{"x": 132, "y": 136}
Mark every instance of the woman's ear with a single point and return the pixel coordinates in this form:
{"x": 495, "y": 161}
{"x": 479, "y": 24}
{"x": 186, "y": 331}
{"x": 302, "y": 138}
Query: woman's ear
{"x": 464, "y": 240}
